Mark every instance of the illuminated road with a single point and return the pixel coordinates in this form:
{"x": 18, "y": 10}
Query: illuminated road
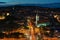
{"x": 45, "y": 38}
{"x": 49, "y": 38}
{"x": 13, "y": 39}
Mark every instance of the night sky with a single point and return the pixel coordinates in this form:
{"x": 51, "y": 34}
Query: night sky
{"x": 15, "y": 2}
{"x": 31, "y": 1}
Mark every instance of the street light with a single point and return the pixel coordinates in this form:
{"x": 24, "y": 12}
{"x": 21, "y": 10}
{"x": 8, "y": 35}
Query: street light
{"x": 8, "y": 14}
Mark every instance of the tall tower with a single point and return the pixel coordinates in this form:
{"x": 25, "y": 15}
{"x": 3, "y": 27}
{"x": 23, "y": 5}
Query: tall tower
{"x": 37, "y": 19}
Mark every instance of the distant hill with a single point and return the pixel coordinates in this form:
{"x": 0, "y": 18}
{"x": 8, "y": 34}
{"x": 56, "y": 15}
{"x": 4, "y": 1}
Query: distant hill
{"x": 2, "y": 2}
{"x": 50, "y": 5}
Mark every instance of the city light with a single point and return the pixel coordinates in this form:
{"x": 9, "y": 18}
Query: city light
{"x": 2, "y": 17}
{"x": 8, "y": 14}
{"x": 58, "y": 18}
{"x": 33, "y": 23}
{"x": 55, "y": 16}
